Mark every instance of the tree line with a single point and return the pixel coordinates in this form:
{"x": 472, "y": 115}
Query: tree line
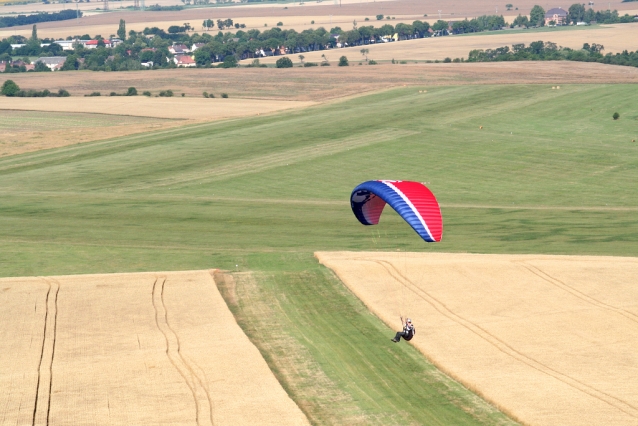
{"x": 548, "y": 51}
{"x": 12, "y": 21}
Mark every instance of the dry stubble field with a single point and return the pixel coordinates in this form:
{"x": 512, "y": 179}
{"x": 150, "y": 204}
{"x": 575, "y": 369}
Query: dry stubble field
{"x": 549, "y": 339}
{"x": 131, "y": 349}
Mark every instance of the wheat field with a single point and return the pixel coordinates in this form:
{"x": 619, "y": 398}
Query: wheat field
{"x": 142, "y": 106}
{"x": 549, "y": 339}
{"x": 127, "y": 349}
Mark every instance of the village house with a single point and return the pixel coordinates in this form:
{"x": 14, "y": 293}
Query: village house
{"x": 184, "y": 61}
{"x": 196, "y": 46}
{"x": 557, "y": 16}
{"x": 70, "y": 44}
{"x": 21, "y": 63}
{"x": 178, "y": 49}
{"x": 54, "y": 63}
{"x": 89, "y": 44}
{"x": 93, "y": 44}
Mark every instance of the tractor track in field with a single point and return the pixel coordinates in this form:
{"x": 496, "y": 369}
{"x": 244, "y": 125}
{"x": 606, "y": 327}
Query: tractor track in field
{"x": 503, "y": 346}
{"x": 44, "y": 382}
{"x": 577, "y": 293}
{"x": 204, "y": 406}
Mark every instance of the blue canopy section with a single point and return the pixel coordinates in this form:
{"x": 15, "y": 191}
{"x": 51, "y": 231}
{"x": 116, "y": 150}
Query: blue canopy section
{"x": 369, "y": 198}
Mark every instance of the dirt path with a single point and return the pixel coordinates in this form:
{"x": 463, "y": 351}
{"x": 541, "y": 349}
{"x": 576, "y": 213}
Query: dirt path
{"x": 148, "y": 348}
{"x": 549, "y": 339}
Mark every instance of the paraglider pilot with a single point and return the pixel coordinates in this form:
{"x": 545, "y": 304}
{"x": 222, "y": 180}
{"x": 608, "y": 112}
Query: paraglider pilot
{"x": 407, "y": 333}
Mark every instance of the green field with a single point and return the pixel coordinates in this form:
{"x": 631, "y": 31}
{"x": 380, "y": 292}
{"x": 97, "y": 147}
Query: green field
{"x": 550, "y": 172}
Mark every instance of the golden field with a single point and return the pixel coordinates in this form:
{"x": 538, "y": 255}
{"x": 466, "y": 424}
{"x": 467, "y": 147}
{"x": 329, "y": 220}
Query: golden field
{"x": 185, "y": 108}
{"x": 123, "y": 349}
{"x": 549, "y": 339}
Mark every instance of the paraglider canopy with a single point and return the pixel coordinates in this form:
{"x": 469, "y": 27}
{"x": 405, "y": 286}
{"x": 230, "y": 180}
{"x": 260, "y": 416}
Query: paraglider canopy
{"x": 414, "y": 202}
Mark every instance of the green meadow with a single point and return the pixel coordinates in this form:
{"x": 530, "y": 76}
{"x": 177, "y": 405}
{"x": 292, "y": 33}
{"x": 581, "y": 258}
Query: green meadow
{"x": 548, "y": 172}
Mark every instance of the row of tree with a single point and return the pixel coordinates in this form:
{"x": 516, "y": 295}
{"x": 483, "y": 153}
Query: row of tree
{"x": 12, "y": 21}
{"x": 548, "y": 51}
{"x": 11, "y": 89}
{"x": 482, "y": 23}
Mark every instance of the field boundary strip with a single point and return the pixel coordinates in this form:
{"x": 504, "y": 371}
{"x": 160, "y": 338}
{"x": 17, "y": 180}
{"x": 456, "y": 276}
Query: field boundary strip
{"x": 502, "y": 346}
{"x": 204, "y": 406}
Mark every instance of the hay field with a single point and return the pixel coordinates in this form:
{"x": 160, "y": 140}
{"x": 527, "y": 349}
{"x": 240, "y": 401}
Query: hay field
{"x": 615, "y": 38}
{"x": 549, "y": 339}
{"x": 148, "y": 348}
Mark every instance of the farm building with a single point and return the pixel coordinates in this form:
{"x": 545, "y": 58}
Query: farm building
{"x": 556, "y": 15}
{"x": 177, "y": 49}
{"x": 54, "y": 63}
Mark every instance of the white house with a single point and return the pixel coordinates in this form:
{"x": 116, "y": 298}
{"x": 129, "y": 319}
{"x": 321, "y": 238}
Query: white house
{"x": 184, "y": 61}
{"x": 54, "y": 63}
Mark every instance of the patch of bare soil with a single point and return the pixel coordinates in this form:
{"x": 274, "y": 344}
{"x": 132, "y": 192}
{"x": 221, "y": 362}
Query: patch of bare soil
{"x": 549, "y": 339}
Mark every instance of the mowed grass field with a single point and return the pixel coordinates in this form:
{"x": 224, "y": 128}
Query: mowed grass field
{"x": 549, "y": 172}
